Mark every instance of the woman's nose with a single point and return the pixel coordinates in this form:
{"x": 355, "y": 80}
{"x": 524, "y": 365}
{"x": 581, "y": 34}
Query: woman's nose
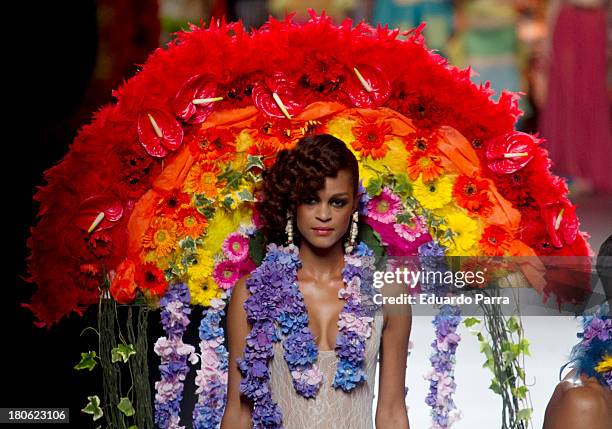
{"x": 323, "y": 213}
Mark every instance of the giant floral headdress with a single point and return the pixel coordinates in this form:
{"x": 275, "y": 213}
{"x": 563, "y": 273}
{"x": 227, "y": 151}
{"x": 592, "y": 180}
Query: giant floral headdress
{"x": 155, "y": 196}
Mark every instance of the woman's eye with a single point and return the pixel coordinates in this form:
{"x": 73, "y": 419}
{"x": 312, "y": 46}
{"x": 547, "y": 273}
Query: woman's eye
{"x": 339, "y": 203}
{"x": 310, "y": 201}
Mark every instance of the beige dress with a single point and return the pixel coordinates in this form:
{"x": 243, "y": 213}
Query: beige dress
{"x": 331, "y": 408}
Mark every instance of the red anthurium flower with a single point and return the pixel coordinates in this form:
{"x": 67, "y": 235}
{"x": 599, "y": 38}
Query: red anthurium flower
{"x": 98, "y": 212}
{"x": 196, "y": 99}
{"x": 277, "y": 96}
{"x": 367, "y": 86}
{"x": 159, "y": 132}
{"x": 509, "y": 153}
{"x": 561, "y": 223}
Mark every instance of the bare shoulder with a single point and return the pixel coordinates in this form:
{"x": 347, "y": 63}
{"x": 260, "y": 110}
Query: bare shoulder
{"x": 240, "y": 294}
{"x": 578, "y": 405}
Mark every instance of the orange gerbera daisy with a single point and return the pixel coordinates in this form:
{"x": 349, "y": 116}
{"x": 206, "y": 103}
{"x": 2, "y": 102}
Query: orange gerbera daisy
{"x": 202, "y": 179}
{"x": 277, "y": 131}
{"x": 427, "y": 163}
{"x": 372, "y": 136}
{"x": 213, "y": 143}
{"x": 495, "y": 240}
{"x": 472, "y": 194}
{"x": 190, "y": 222}
{"x": 161, "y": 236}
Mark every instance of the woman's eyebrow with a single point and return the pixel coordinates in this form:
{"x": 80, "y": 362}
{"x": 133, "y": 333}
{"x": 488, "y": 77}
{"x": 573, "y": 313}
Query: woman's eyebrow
{"x": 340, "y": 194}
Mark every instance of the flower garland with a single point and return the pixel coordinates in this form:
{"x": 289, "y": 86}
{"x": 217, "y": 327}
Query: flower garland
{"x": 211, "y": 379}
{"x": 275, "y": 298}
{"x": 593, "y": 354}
{"x": 441, "y": 378}
{"x": 174, "y": 354}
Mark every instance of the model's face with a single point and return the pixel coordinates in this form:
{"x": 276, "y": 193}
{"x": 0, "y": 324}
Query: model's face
{"x": 322, "y": 220}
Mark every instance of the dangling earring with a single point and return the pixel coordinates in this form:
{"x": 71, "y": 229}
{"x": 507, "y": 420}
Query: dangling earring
{"x": 289, "y": 230}
{"x": 348, "y": 248}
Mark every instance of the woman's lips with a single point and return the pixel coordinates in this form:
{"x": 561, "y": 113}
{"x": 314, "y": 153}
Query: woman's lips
{"x": 323, "y": 231}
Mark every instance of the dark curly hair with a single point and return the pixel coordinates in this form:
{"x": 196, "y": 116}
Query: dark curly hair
{"x": 298, "y": 174}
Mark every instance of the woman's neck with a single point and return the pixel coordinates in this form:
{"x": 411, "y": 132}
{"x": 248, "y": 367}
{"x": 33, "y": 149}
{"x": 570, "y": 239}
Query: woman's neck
{"x": 322, "y": 264}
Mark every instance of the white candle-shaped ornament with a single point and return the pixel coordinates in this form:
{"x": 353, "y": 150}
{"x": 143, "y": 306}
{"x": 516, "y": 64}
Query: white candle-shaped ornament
{"x": 197, "y": 101}
{"x": 96, "y": 222}
{"x": 365, "y": 83}
{"x": 516, "y": 155}
{"x": 280, "y": 105}
{"x": 558, "y": 219}
{"x": 158, "y": 131}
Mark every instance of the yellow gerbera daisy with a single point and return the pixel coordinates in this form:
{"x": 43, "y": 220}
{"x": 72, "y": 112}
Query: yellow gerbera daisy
{"x": 202, "y": 266}
{"x": 465, "y": 231}
{"x": 223, "y": 224}
{"x": 435, "y": 194}
{"x": 203, "y": 291}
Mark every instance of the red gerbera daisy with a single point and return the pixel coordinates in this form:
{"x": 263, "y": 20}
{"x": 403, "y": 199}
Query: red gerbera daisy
{"x": 267, "y": 150}
{"x": 372, "y": 137}
{"x": 172, "y": 201}
{"x": 495, "y": 240}
{"x": 150, "y": 278}
{"x": 471, "y": 193}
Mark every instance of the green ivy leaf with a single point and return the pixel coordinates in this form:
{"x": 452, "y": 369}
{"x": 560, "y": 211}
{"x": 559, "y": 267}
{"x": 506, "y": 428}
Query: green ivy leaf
{"x": 374, "y": 186}
{"x": 231, "y": 177}
{"x": 122, "y": 353}
{"x": 125, "y": 406}
{"x": 405, "y": 218}
{"x": 133, "y": 427}
{"x": 88, "y": 361}
{"x": 524, "y": 346}
{"x": 524, "y": 414}
{"x": 495, "y": 387}
{"x": 402, "y": 185}
{"x": 187, "y": 243}
{"x": 245, "y": 195}
{"x": 228, "y": 202}
{"x": 93, "y": 407}
{"x": 370, "y": 237}
{"x": 254, "y": 161}
{"x": 520, "y": 392}
{"x": 471, "y": 321}
{"x": 513, "y": 324}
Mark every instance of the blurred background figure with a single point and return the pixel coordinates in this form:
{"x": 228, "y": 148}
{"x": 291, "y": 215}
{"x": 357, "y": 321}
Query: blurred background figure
{"x": 576, "y": 109}
{"x": 438, "y": 14}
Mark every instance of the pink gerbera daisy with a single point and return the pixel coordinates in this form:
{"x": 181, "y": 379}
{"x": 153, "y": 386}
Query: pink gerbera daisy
{"x": 236, "y": 247}
{"x": 411, "y": 232}
{"x": 385, "y": 206}
{"x": 226, "y": 274}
